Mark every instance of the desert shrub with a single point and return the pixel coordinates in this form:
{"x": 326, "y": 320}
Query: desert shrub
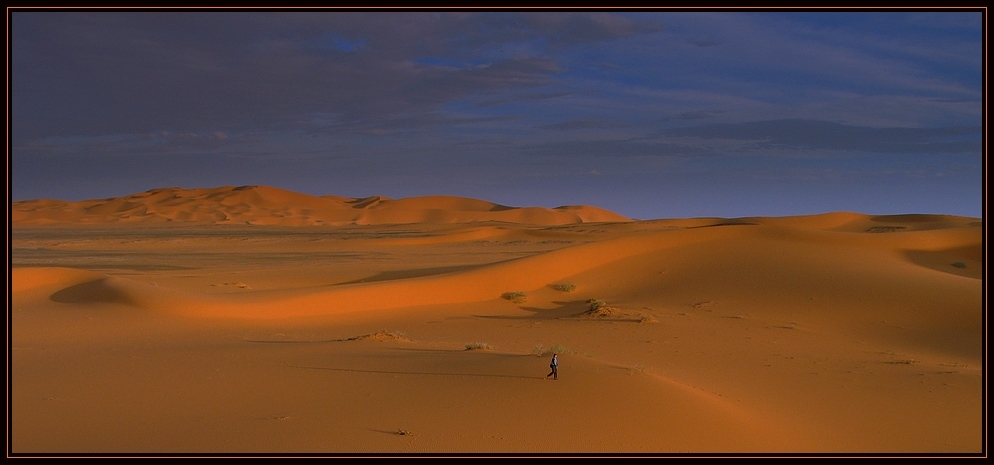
{"x": 559, "y": 349}
{"x": 516, "y": 297}
{"x": 636, "y": 369}
{"x": 479, "y": 346}
{"x": 383, "y": 335}
{"x": 959, "y": 265}
{"x": 564, "y": 287}
{"x": 595, "y": 304}
{"x": 542, "y": 351}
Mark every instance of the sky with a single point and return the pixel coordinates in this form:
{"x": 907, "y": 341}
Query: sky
{"x": 649, "y": 113}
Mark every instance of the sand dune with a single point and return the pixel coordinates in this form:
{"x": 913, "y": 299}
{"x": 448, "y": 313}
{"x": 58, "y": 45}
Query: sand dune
{"x": 839, "y": 332}
{"x": 263, "y": 205}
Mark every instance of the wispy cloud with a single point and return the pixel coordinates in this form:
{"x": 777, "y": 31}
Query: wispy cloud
{"x": 584, "y": 124}
{"x": 498, "y": 98}
{"x": 825, "y": 135}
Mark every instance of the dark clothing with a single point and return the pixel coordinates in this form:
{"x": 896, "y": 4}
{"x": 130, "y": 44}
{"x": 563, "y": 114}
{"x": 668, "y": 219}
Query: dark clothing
{"x": 555, "y": 368}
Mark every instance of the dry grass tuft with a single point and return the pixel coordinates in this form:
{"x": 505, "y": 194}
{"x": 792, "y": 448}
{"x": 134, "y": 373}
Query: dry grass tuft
{"x": 560, "y": 349}
{"x": 516, "y": 297}
{"x": 564, "y": 287}
{"x": 479, "y": 346}
{"x": 636, "y": 369}
{"x": 382, "y": 336}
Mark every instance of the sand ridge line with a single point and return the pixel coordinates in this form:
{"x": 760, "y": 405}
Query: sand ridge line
{"x": 264, "y": 205}
{"x": 381, "y": 336}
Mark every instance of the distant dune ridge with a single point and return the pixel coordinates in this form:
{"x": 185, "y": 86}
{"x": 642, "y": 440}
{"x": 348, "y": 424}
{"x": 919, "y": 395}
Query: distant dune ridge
{"x": 263, "y": 205}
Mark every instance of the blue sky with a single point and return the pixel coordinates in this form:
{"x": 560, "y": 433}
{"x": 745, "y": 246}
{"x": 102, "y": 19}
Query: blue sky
{"x": 652, "y": 114}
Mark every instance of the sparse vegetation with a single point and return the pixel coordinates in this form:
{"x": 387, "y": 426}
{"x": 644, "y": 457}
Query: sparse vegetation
{"x": 885, "y": 229}
{"x": 516, "y": 297}
{"x": 636, "y": 369}
{"x": 560, "y": 349}
{"x": 595, "y": 304}
{"x": 902, "y": 362}
{"x": 959, "y": 265}
{"x": 647, "y": 319}
{"x": 383, "y": 335}
{"x": 541, "y": 351}
{"x": 479, "y": 346}
{"x": 564, "y": 287}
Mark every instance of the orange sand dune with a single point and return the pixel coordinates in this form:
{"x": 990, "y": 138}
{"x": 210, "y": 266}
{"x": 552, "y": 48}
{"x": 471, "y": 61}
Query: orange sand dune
{"x": 834, "y": 333}
{"x": 263, "y": 205}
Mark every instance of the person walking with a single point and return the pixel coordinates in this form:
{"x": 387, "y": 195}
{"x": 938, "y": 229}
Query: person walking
{"x": 554, "y": 364}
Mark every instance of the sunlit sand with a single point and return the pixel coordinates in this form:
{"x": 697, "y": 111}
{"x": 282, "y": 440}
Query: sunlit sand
{"x": 258, "y": 320}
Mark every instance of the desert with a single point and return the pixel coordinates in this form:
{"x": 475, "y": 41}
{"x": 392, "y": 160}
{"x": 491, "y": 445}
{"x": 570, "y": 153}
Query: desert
{"x": 257, "y": 320}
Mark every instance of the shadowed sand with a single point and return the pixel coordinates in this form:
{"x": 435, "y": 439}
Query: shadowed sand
{"x": 344, "y": 325}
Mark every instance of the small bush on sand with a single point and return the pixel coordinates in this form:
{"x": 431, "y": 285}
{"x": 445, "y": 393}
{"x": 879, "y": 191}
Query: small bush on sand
{"x": 479, "y": 346}
{"x": 383, "y": 335}
{"x": 959, "y": 265}
{"x": 516, "y": 297}
{"x": 559, "y": 349}
{"x": 564, "y": 287}
{"x": 595, "y": 304}
{"x": 542, "y": 351}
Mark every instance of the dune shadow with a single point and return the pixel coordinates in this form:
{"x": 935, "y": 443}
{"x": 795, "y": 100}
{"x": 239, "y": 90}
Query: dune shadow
{"x": 91, "y": 292}
{"x": 396, "y": 432}
{"x": 909, "y": 218}
{"x": 268, "y": 341}
{"x": 490, "y": 352}
{"x": 724, "y": 223}
{"x": 405, "y": 274}
{"x": 565, "y": 309}
{"x": 415, "y": 373}
{"x": 943, "y": 261}
{"x": 379, "y": 337}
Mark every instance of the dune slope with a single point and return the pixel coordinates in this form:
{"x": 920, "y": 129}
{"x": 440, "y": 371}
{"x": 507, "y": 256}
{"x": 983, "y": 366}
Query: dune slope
{"x": 828, "y": 333}
{"x": 264, "y": 205}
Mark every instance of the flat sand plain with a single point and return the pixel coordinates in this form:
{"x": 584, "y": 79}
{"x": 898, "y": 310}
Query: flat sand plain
{"x": 835, "y": 333}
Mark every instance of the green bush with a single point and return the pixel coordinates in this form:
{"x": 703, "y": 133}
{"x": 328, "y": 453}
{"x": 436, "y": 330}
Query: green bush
{"x": 564, "y": 287}
{"x": 516, "y": 297}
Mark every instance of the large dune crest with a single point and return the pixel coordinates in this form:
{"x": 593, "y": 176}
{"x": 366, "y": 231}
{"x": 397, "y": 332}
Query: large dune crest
{"x": 263, "y": 205}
